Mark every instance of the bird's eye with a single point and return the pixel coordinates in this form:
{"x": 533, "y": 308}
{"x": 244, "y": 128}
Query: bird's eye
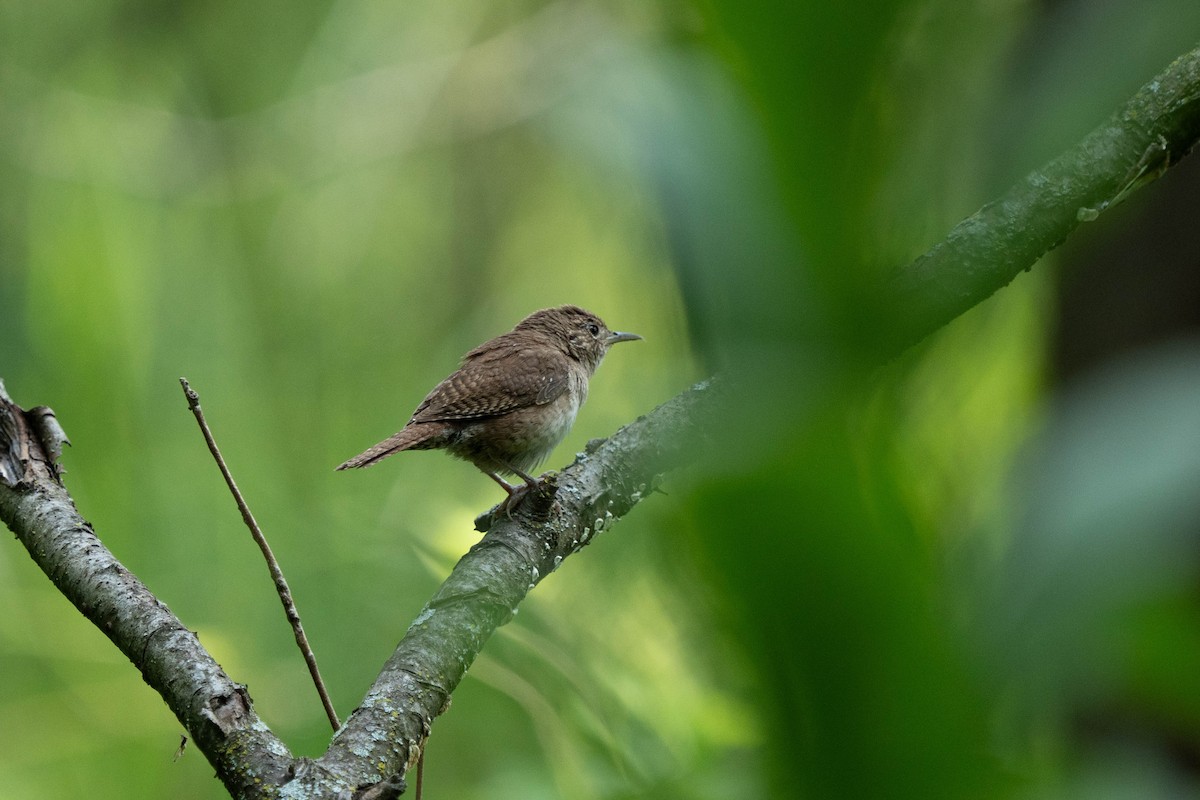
{"x": 593, "y": 329}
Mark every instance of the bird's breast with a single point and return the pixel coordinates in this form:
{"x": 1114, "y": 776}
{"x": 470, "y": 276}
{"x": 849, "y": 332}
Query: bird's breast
{"x": 543, "y": 427}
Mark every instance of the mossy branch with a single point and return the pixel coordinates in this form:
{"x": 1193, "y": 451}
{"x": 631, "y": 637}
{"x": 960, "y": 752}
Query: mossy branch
{"x": 1145, "y": 137}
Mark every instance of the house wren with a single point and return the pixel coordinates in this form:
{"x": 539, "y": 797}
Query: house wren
{"x": 513, "y": 398}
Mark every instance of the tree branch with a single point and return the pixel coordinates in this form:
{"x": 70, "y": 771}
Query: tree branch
{"x": 1156, "y": 128}
{"x": 277, "y": 578}
{"x": 489, "y": 582}
{"x": 216, "y": 711}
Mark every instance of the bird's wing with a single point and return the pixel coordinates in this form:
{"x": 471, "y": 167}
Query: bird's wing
{"x": 494, "y": 379}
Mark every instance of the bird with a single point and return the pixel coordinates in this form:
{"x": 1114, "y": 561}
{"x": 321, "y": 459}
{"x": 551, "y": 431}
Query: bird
{"x": 511, "y": 400}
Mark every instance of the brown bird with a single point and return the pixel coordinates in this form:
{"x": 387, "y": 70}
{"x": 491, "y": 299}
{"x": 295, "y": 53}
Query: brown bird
{"x": 513, "y": 398}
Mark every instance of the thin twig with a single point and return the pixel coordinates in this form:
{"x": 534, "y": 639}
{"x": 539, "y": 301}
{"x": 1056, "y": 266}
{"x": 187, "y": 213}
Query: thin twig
{"x": 281, "y": 586}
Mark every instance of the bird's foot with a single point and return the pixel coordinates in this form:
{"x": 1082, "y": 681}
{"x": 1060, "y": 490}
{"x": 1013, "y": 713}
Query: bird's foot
{"x": 540, "y": 491}
{"x": 515, "y": 495}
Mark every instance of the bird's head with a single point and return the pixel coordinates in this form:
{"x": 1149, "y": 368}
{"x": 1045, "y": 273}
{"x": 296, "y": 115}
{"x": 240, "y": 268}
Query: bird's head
{"x": 582, "y": 335}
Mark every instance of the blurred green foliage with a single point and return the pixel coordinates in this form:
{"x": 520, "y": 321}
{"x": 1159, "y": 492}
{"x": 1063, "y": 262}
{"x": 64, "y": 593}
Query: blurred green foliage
{"x": 916, "y": 580}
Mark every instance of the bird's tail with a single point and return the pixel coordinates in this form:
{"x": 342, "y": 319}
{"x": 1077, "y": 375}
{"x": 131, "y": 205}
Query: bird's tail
{"x": 412, "y": 437}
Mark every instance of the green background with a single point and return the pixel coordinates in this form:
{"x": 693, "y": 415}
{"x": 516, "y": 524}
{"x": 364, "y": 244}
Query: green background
{"x": 966, "y": 573}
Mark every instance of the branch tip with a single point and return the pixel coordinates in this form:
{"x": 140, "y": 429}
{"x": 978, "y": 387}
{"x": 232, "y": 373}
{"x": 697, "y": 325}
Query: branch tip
{"x": 188, "y": 392}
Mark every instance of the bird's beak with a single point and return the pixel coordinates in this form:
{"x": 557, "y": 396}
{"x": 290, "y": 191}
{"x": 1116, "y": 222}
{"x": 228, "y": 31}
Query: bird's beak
{"x": 616, "y": 336}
